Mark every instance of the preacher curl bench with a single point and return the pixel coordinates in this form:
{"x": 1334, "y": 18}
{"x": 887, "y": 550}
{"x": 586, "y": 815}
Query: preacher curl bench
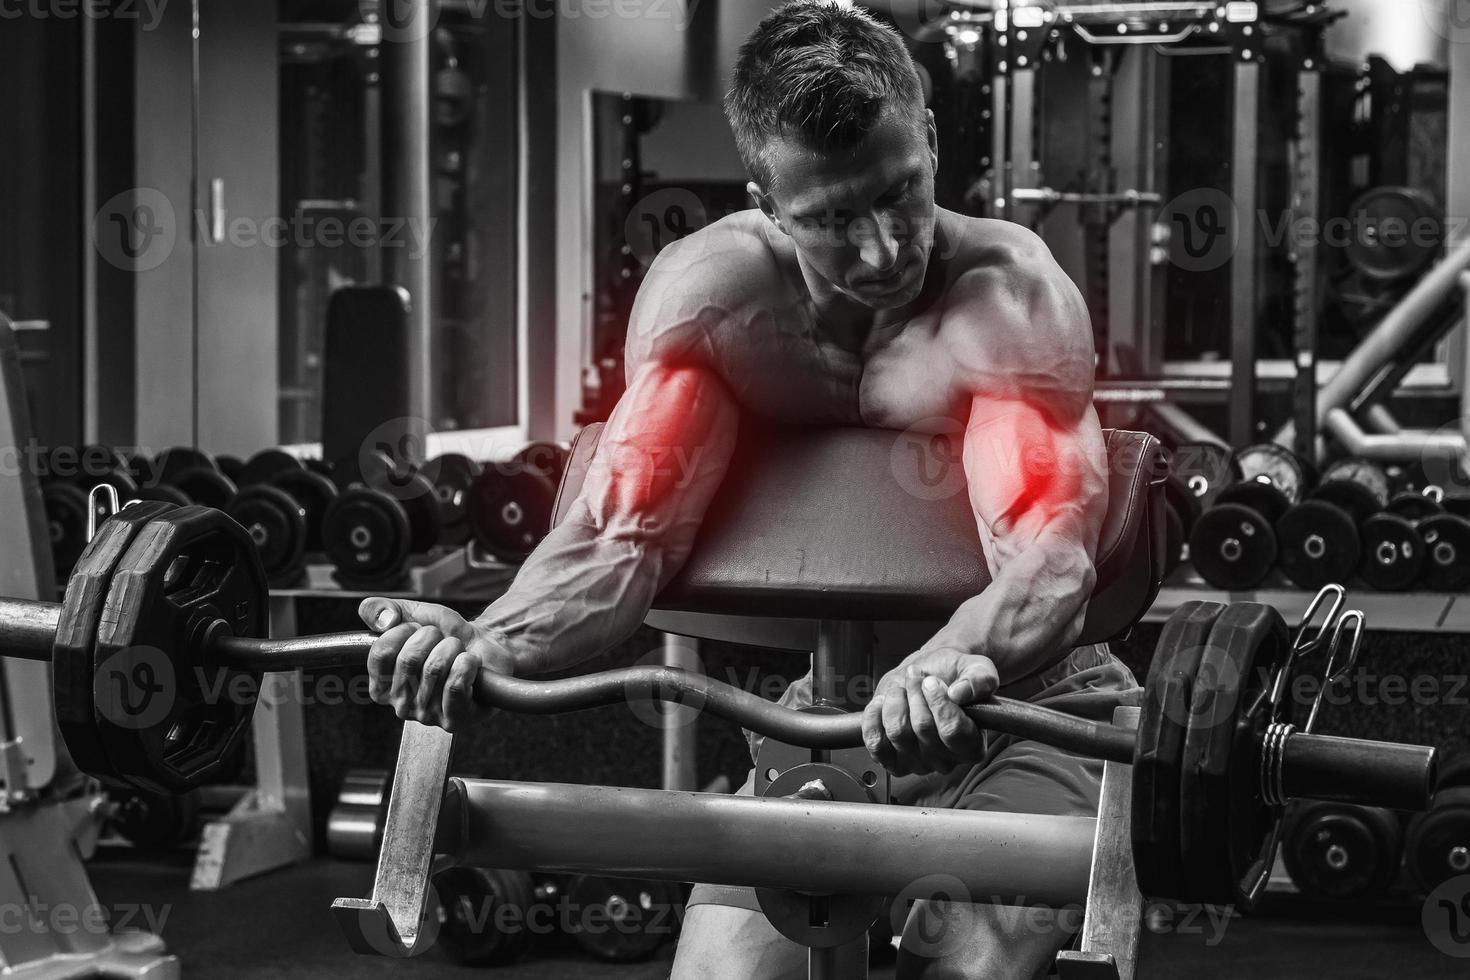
{"x": 819, "y": 539}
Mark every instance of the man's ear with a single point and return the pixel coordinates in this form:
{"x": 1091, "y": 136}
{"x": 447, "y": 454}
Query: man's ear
{"x": 933, "y": 136}
{"x": 763, "y": 201}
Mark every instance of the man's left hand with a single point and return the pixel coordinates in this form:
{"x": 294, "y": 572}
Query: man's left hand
{"x": 914, "y": 724}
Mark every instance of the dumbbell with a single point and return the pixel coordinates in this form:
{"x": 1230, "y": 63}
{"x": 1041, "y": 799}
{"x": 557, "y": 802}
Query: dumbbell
{"x": 355, "y": 825}
{"x": 1340, "y": 851}
{"x": 284, "y": 515}
{"x": 1233, "y": 544}
{"x": 194, "y": 474}
{"x": 385, "y": 514}
{"x": 453, "y": 476}
{"x": 471, "y": 916}
{"x": 1181, "y": 510}
{"x": 1204, "y": 469}
{"x": 1437, "y": 843}
{"x": 510, "y": 503}
{"x": 636, "y": 916}
{"x": 1317, "y": 539}
{"x": 155, "y": 821}
{"x": 1444, "y": 555}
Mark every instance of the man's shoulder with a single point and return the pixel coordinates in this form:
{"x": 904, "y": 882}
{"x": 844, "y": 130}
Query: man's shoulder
{"x": 1012, "y": 311}
{"x": 698, "y": 286}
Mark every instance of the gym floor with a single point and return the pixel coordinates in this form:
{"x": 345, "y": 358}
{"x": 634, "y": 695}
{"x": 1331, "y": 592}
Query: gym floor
{"x": 280, "y": 925}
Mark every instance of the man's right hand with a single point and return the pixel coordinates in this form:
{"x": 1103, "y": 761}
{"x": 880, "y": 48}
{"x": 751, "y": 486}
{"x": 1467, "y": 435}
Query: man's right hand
{"x": 426, "y": 659}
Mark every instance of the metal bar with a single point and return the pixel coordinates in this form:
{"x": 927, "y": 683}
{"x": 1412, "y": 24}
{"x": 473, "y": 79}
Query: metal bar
{"x": 1185, "y": 425}
{"x": 406, "y": 140}
{"x": 841, "y": 848}
{"x": 1243, "y": 263}
{"x": 1306, "y": 181}
{"x": 1399, "y": 446}
{"x": 679, "y": 737}
{"x": 1387, "y": 340}
{"x": 1114, "y": 912}
{"x": 844, "y": 652}
{"x": 1022, "y": 123}
{"x": 28, "y": 628}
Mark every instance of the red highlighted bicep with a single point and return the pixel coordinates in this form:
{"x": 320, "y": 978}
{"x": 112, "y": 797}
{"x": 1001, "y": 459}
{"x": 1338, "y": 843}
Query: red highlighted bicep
{"x": 1022, "y": 468}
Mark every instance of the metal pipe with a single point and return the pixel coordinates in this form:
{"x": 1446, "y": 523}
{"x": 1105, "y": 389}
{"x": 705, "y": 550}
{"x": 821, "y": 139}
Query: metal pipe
{"x": 844, "y": 654}
{"x": 1398, "y": 447}
{"x": 1465, "y": 364}
{"x": 28, "y": 628}
{"x": 1381, "y": 419}
{"x": 1185, "y": 425}
{"x": 1388, "y": 339}
{"x": 837, "y": 848}
{"x": 404, "y": 57}
{"x": 1350, "y": 770}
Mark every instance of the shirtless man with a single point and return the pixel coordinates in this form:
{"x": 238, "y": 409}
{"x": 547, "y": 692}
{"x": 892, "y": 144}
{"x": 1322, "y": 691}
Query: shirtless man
{"x": 846, "y": 298}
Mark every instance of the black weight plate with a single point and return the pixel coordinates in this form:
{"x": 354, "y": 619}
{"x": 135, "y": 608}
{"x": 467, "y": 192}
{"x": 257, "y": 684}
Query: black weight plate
{"x": 1186, "y": 505}
{"x": 1340, "y": 851}
{"x": 622, "y": 920}
{"x": 76, "y": 631}
{"x": 1397, "y": 233}
{"x": 66, "y": 523}
{"x": 276, "y": 523}
{"x": 1232, "y": 547}
{"x": 365, "y": 534}
{"x": 1173, "y": 539}
{"x": 1317, "y": 544}
{"x": 1413, "y": 506}
{"x": 1224, "y": 824}
{"x": 170, "y": 721}
{"x": 470, "y": 909}
{"x": 1160, "y": 747}
{"x": 1204, "y": 468}
{"x": 318, "y": 466}
{"x": 205, "y": 486}
{"x": 1354, "y": 498}
{"x": 1366, "y": 473}
{"x": 1446, "y": 540}
{"x": 452, "y": 474}
{"x": 1263, "y": 497}
{"x": 1276, "y": 465}
{"x": 510, "y": 510}
{"x": 264, "y": 465}
{"x": 315, "y": 493}
{"x": 232, "y": 467}
{"x": 164, "y": 494}
{"x": 119, "y": 479}
{"x": 415, "y": 494}
{"x": 171, "y": 462}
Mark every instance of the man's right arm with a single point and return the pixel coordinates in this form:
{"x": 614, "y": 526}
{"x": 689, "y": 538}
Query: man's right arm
{"x": 591, "y": 581}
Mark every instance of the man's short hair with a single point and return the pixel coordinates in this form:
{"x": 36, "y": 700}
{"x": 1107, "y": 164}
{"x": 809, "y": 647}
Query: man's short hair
{"x": 821, "y": 72}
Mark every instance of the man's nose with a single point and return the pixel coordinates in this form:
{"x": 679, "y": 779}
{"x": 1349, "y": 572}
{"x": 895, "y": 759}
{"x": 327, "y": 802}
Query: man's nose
{"x": 877, "y": 241}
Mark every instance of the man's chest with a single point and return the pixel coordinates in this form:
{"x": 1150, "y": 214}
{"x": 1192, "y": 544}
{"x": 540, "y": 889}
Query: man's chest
{"x": 899, "y": 378}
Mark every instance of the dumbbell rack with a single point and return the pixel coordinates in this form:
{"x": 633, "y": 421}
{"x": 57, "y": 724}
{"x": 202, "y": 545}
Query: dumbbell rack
{"x": 1399, "y": 612}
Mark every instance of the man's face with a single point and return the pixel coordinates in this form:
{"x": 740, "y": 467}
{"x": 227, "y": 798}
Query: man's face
{"x": 862, "y": 220}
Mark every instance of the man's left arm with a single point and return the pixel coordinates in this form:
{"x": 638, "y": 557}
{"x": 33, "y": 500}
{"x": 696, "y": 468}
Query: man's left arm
{"x": 1036, "y": 468}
